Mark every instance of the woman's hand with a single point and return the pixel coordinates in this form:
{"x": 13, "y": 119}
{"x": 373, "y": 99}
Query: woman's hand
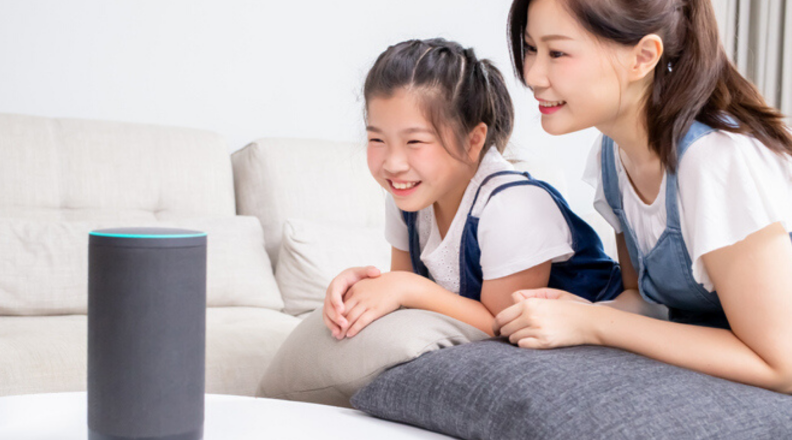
{"x": 547, "y": 293}
{"x": 546, "y": 318}
{"x": 333, "y": 312}
{"x": 373, "y": 298}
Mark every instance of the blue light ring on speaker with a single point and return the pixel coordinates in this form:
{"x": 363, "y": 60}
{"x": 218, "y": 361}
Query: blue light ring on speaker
{"x": 147, "y": 237}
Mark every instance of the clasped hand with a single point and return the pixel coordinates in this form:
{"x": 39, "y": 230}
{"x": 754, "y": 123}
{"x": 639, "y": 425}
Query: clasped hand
{"x": 545, "y": 318}
{"x": 360, "y": 295}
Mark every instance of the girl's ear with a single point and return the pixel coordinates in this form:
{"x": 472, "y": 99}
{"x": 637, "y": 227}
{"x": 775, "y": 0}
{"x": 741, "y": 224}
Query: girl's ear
{"x": 476, "y": 140}
{"x": 645, "y": 56}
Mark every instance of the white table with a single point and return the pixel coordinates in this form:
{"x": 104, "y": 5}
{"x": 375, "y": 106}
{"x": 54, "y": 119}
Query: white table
{"x": 63, "y": 416}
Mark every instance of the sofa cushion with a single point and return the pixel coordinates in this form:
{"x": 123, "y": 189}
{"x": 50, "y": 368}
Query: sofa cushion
{"x": 323, "y": 181}
{"x": 81, "y": 170}
{"x": 313, "y": 253}
{"x": 45, "y": 264}
{"x": 45, "y": 354}
{"x": 493, "y": 390}
{"x": 312, "y": 366}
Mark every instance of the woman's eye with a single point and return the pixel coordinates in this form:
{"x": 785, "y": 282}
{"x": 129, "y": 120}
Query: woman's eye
{"x": 529, "y": 49}
{"x": 556, "y": 54}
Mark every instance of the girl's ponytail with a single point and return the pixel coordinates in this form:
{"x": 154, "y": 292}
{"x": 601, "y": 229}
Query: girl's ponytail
{"x": 501, "y": 124}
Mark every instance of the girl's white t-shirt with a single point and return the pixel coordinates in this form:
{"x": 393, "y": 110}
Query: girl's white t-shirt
{"x": 729, "y": 186}
{"x": 519, "y": 228}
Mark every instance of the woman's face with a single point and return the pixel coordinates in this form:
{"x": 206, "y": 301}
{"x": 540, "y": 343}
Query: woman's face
{"x": 578, "y": 80}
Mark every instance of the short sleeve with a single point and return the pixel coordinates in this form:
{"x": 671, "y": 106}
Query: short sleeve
{"x": 395, "y": 227}
{"x": 730, "y": 186}
{"x": 593, "y": 176}
{"x": 519, "y": 228}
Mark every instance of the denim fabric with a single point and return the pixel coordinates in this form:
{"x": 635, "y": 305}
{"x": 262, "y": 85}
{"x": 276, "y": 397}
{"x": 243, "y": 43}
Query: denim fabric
{"x": 665, "y": 273}
{"x": 493, "y": 390}
{"x": 590, "y": 273}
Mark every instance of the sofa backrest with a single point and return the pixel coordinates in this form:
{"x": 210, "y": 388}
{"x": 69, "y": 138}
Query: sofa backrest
{"x": 316, "y": 180}
{"x": 78, "y": 170}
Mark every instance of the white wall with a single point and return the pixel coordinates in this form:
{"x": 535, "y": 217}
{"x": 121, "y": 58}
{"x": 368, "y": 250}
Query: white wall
{"x": 244, "y": 68}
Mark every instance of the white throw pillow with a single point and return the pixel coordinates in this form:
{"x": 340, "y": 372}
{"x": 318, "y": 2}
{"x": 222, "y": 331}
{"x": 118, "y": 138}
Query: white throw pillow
{"x": 44, "y": 264}
{"x": 313, "y": 253}
{"x": 312, "y": 366}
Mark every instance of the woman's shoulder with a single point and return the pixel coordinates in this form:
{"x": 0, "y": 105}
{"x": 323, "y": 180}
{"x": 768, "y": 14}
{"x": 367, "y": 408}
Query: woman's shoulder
{"x": 722, "y": 155}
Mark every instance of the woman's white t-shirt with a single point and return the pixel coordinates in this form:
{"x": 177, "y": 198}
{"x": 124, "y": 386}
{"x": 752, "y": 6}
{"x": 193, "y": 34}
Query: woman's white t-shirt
{"x": 729, "y": 186}
{"x": 519, "y": 228}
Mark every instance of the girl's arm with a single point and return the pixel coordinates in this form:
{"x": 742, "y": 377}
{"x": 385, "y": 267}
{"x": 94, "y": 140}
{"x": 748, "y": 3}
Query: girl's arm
{"x": 370, "y": 299}
{"x": 754, "y": 284}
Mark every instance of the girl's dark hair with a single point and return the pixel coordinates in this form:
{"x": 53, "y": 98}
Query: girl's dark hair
{"x": 456, "y": 89}
{"x": 694, "y": 79}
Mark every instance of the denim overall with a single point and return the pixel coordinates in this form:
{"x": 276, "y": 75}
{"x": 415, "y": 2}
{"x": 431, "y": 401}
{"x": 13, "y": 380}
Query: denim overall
{"x": 665, "y": 275}
{"x": 589, "y": 273}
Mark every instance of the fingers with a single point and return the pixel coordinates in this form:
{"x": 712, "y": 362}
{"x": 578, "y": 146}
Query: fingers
{"x": 521, "y": 334}
{"x": 532, "y": 343}
{"x": 344, "y": 281}
{"x": 506, "y": 316}
{"x": 333, "y": 315}
{"x": 332, "y": 326}
{"x": 352, "y": 317}
{"x": 334, "y": 322}
{"x": 365, "y": 319}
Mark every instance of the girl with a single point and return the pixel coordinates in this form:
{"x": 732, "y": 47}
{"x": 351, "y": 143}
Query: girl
{"x": 693, "y": 172}
{"x": 466, "y": 229}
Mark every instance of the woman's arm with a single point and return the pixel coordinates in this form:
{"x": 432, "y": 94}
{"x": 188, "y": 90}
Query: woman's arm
{"x": 630, "y": 300}
{"x": 753, "y": 279}
{"x": 370, "y": 299}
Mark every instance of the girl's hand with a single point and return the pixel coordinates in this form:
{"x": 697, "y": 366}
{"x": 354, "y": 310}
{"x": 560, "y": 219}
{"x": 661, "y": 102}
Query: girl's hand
{"x": 333, "y": 312}
{"x": 373, "y": 298}
{"x": 538, "y": 322}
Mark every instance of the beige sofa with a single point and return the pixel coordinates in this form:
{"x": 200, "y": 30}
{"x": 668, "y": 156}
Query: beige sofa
{"x": 306, "y": 208}
{"x": 61, "y": 178}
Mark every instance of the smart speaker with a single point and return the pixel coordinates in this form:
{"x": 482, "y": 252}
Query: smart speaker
{"x": 146, "y": 334}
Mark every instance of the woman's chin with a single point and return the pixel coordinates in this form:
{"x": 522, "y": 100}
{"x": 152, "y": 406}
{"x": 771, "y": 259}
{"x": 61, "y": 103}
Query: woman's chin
{"x": 557, "y": 127}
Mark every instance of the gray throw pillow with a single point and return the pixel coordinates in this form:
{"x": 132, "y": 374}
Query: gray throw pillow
{"x": 312, "y": 366}
{"x": 493, "y": 390}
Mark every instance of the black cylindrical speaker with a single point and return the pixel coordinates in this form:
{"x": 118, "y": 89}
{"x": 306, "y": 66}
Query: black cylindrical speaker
{"x": 146, "y": 334}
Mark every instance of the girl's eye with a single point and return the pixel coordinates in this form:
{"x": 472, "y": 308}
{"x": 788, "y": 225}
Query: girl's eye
{"x": 376, "y": 140}
{"x": 556, "y": 54}
{"x": 415, "y": 142}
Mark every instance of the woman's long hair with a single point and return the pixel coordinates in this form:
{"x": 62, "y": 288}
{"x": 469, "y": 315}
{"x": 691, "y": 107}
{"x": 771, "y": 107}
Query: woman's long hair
{"x": 694, "y": 79}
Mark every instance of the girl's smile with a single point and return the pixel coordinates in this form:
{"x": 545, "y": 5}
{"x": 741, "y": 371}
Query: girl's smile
{"x": 403, "y": 189}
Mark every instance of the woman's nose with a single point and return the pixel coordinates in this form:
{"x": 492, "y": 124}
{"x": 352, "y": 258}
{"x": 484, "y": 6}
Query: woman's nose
{"x": 535, "y": 75}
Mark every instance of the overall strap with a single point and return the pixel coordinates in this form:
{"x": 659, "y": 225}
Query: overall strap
{"x": 610, "y": 178}
{"x": 490, "y": 177}
{"x": 696, "y": 131}
{"x": 411, "y": 219}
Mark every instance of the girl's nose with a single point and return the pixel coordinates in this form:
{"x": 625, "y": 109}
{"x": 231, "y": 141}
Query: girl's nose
{"x": 395, "y": 161}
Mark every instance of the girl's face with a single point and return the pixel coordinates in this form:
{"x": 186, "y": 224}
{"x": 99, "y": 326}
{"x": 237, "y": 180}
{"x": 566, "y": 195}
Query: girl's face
{"x": 407, "y": 158}
{"x": 577, "y": 79}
